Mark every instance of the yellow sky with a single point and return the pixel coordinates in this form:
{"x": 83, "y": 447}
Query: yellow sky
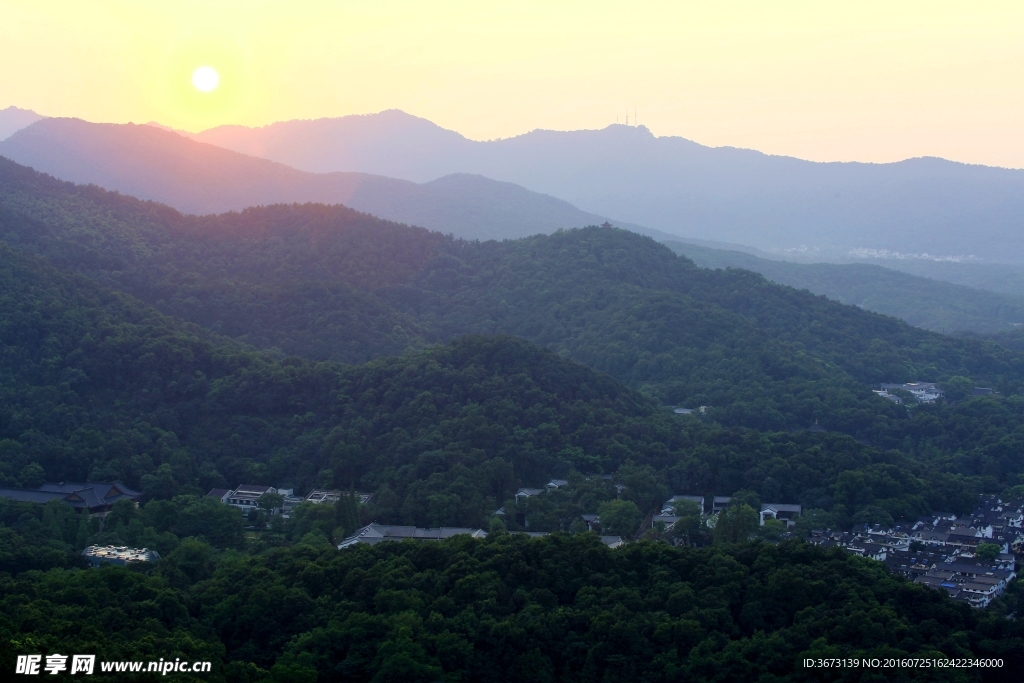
{"x": 821, "y": 79}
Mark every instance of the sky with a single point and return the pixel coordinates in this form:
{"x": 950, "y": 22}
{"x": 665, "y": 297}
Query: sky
{"x": 823, "y": 79}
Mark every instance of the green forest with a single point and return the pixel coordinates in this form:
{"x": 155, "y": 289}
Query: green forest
{"x": 934, "y": 298}
{"x": 312, "y": 346}
{"x": 562, "y": 607}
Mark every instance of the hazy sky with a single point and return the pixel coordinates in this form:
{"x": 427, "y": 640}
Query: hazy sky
{"x": 820, "y": 79}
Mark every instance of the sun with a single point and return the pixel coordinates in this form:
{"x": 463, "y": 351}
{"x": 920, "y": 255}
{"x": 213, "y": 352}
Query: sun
{"x": 205, "y": 78}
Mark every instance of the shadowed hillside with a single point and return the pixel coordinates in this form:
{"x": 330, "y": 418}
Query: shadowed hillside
{"x": 329, "y": 283}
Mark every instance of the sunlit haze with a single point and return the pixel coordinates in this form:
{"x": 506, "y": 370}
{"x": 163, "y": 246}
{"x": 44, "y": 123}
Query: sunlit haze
{"x": 868, "y": 80}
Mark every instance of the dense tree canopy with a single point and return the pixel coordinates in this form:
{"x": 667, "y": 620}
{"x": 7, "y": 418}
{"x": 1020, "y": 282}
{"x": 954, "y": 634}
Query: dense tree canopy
{"x": 305, "y": 346}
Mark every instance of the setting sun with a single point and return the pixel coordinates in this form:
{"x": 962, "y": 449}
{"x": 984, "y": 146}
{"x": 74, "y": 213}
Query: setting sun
{"x": 205, "y": 78}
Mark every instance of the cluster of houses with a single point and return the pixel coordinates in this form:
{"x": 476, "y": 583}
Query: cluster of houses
{"x": 941, "y": 550}
{"x": 120, "y": 555}
{"x": 923, "y": 392}
{"x": 673, "y": 508}
{"x": 247, "y": 497}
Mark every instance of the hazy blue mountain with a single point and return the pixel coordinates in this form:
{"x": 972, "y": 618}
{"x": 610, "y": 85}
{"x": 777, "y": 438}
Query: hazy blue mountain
{"x": 924, "y": 205}
{"x": 14, "y": 119}
{"x": 148, "y": 162}
{"x": 994, "y": 277}
{"x": 924, "y": 302}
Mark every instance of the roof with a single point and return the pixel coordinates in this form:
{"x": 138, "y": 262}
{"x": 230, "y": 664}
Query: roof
{"x": 218, "y": 493}
{"x": 781, "y": 507}
{"x": 375, "y": 533}
{"x": 28, "y": 496}
{"x": 119, "y": 554}
{"x": 87, "y": 494}
{"x": 251, "y": 488}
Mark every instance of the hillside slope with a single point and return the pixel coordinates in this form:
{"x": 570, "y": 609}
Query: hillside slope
{"x": 681, "y": 187}
{"x": 98, "y": 385}
{"x": 328, "y": 283}
{"x": 923, "y": 302}
{"x": 150, "y": 163}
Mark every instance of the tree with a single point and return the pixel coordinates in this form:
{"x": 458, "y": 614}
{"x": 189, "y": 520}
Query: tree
{"x": 814, "y": 519}
{"x": 873, "y": 514}
{"x": 269, "y": 502}
{"x": 957, "y": 388}
{"x": 736, "y": 524}
{"x": 772, "y": 530}
{"x": 620, "y": 517}
{"x": 643, "y": 485}
{"x": 746, "y": 497}
{"x": 986, "y": 552}
{"x": 32, "y": 475}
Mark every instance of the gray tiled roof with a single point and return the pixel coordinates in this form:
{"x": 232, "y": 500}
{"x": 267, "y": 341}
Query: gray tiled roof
{"x": 87, "y": 494}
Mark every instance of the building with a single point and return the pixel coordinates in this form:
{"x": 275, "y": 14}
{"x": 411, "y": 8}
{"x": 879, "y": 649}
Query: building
{"x": 247, "y": 496}
{"x": 668, "y": 520}
{"x": 700, "y": 410}
{"x": 593, "y": 522}
{"x": 924, "y": 392}
{"x": 556, "y": 484}
{"x": 118, "y": 555}
{"x": 886, "y": 395}
{"x": 332, "y": 496}
{"x": 781, "y": 511}
{"x": 719, "y": 503}
{"x": 87, "y": 497}
{"x": 373, "y": 534}
{"x": 527, "y": 493}
{"x": 940, "y": 550}
{"x": 669, "y": 506}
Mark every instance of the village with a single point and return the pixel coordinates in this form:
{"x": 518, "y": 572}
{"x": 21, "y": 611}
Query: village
{"x": 972, "y": 557}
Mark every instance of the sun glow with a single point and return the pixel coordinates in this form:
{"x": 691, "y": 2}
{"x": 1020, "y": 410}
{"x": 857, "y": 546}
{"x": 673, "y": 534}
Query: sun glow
{"x": 205, "y": 79}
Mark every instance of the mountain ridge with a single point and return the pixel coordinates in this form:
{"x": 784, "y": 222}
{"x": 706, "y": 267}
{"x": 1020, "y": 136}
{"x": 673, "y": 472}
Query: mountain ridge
{"x": 195, "y": 177}
{"x": 678, "y": 186}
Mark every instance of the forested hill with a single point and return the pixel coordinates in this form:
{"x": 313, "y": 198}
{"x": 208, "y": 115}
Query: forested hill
{"x": 100, "y": 386}
{"x": 923, "y": 302}
{"x": 329, "y": 283}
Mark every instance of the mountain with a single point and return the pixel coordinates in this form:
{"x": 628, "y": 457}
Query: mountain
{"x": 152, "y": 163}
{"x": 100, "y": 384}
{"x": 671, "y": 184}
{"x": 14, "y": 119}
{"x": 924, "y": 302}
{"x": 328, "y": 283}
{"x": 611, "y": 326}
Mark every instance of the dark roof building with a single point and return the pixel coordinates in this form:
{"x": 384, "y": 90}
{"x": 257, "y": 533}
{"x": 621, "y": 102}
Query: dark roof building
{"x": 92, "y": 497}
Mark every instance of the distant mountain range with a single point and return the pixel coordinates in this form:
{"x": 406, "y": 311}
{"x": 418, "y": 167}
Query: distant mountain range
{"x": 14, "y": 119}
{"x": 924, "y": 205}
{"x": 153, "y": 162}
{"x": 149, "y": 162}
